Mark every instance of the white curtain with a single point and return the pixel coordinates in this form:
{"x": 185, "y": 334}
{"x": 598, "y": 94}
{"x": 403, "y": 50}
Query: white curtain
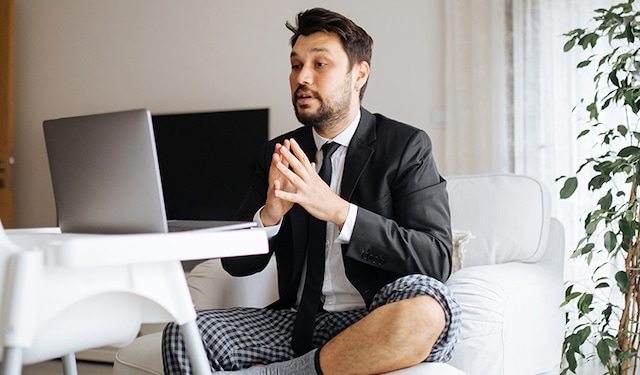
{"x": 477, "y": 132}
{"x": 510, "y": 94}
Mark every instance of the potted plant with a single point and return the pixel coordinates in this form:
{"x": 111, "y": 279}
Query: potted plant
{"x": 605, "y": 314}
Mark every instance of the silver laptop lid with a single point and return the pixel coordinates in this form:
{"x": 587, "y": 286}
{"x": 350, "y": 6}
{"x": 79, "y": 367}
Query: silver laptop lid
{"x": 105, "y": 174}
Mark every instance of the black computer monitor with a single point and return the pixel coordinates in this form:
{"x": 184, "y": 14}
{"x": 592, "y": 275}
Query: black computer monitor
{"x": 207, "y": 160}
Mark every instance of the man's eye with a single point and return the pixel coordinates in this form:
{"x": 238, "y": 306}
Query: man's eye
{"x": 295, "y": 67}
{"x": 321, "y": 64}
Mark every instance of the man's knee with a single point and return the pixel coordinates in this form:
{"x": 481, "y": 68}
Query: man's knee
{"x": 424, "y": 312}
{"x": 418, "y": 322}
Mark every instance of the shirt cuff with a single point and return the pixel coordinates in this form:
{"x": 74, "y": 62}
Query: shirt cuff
{"x": 347, "y": 228}
{"x": 271, "y": 230}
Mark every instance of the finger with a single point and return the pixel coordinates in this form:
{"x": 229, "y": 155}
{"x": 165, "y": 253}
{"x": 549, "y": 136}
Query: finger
{"x": 286, "y": 196}
{"x": 300, "y": 167}
{"x": 298, "y": 160}
{"x": 291, "y": 175}
{"x": 279, "y": 151}
{"x": 298, "y": 152}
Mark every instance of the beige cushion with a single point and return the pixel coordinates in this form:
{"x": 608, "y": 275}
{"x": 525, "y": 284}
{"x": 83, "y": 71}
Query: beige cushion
{"x": 142, "y": 356}
{"x": 460, "y": 241}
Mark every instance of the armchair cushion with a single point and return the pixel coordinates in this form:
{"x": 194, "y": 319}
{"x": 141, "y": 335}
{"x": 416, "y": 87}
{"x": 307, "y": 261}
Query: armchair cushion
{"x": 508, "y": 215}
{"x": 511, "y": 322}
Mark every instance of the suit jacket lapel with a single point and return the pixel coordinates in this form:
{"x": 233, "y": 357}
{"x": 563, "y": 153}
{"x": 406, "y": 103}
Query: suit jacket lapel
{"x": 358, "y": 154}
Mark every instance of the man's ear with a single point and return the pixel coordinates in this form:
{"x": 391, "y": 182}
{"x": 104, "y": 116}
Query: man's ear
{"x": 362, "y": 74}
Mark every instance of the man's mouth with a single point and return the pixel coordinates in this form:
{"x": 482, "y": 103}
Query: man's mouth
{"x": 304, "y": 97}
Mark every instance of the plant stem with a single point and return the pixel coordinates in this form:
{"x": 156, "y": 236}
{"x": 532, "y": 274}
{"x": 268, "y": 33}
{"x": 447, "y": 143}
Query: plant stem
{"x": 628, "y": 337}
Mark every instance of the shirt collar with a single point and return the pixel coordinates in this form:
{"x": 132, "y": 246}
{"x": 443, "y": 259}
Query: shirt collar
{"x": 343, "y": 138}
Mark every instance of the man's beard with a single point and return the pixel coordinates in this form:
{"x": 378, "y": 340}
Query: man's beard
{"x": 330, "y": 113}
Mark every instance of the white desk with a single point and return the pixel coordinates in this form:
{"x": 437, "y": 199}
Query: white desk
{"x": 69, "y": 292}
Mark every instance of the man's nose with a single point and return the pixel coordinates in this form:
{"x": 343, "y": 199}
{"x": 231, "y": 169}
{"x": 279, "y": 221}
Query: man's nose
{"x": 305, "y": 75}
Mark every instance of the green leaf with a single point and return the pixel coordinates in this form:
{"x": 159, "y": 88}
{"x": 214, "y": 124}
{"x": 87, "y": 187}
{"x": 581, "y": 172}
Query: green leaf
{"x": 607, "y": 315}
{"x": 569, "y": 44}
{"x": 588, "y": 40}
{"x": 610, "y": 241}
{"x": 598, "y": 181}
{"x": 613, "y": 344}
{"x": 613, "y": 78}
{"x": 570, "y": 186}
{"x": 572, "y": 363}
{"x": 593, "y": 111}
{"x": 626, "y": 228}
{"x": 584, "y": 305}
{"x": 584, "y": 333}
{"x": 629, "y": 34}
{"x": 605, "y": 202}
{"x": 623, "y": 281}
{"x": 587, "y": 248}
{"x": 591, "y": 227}
{"x": 629, "y": 151}
{"x": 622, "y": 130}
{"x": 584, "y": 63}
{"x": 570, "y": 297}
{"x": 604, "y": 353}
{"x": 583, "y": 133}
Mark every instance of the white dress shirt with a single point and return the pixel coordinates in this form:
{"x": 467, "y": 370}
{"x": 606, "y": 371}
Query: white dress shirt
{"x": 338, "y": 292}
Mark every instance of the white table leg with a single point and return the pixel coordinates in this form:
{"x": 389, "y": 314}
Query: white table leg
{"x": 12, "y": 361}
{"x": 195, "y": 348}
{"x": 69, "y": 366}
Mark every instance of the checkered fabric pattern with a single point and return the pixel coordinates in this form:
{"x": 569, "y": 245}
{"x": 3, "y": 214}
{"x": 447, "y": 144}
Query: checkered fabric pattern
{"x": 238, "y": 338}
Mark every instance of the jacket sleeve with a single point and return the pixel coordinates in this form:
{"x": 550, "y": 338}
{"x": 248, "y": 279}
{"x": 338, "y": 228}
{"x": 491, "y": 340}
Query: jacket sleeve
{"x": 406, "y": 229}
{"x": 248, "y": 265}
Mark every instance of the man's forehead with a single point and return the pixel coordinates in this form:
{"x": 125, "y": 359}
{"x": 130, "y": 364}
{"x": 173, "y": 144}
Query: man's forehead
{"x": 317, "y": 43}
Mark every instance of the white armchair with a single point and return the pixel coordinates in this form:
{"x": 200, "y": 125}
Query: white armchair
{"x": 509, "y": 286}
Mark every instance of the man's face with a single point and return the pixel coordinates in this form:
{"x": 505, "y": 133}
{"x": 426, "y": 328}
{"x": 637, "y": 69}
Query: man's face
{"x": 322, "y": 82}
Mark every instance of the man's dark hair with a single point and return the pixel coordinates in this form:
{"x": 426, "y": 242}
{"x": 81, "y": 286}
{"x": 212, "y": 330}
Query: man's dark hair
{"x": 355, "y": 41}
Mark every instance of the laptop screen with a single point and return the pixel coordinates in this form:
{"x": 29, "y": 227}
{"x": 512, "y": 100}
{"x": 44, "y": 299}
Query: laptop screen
{"x": 105, "y": 173}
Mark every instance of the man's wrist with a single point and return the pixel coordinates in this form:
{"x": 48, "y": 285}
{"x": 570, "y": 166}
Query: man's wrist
{"x": 272, "y": 230}
{"x": 266, "y": 220}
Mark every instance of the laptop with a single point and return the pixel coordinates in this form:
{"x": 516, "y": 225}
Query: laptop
{"x": 106, "y": 178}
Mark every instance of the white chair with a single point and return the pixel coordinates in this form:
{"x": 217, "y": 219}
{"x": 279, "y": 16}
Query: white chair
{"x": 66, "y": 293}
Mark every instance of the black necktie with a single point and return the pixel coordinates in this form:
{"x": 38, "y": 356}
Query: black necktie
{"x": 312, "y": 291}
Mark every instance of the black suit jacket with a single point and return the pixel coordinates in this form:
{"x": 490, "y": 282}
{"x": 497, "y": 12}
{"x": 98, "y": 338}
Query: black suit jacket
{"x": 403, "y": 222}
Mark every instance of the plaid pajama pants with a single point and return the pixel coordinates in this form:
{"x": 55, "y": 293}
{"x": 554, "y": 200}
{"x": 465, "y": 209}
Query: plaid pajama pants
{"x": 238, "y": 338}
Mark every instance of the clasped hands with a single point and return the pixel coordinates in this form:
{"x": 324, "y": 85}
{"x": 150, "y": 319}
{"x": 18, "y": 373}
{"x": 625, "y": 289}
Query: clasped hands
{"x": 293, "y": 179}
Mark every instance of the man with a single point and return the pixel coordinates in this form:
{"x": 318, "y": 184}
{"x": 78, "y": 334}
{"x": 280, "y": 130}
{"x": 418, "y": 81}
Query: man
{"x": 374, "y": 300}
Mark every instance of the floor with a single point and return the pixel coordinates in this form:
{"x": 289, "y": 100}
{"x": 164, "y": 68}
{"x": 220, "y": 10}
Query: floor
{"x": 55, "y": 367}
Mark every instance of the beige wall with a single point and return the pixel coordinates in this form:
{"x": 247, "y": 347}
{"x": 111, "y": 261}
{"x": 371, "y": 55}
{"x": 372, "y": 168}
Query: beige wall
{"x": 84, "y": 56}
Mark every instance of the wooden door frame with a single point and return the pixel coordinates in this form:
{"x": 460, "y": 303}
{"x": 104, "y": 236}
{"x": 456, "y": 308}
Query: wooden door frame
{"x": 7, "y": 48}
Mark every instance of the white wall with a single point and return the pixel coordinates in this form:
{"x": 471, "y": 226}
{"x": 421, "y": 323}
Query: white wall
{"x": 85, "y": 56}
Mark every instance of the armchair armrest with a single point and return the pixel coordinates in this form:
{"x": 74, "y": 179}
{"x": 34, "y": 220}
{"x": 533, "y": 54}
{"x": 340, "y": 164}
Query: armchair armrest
{"x": 512, "y": 322}
{"x": 211, "y": 287}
